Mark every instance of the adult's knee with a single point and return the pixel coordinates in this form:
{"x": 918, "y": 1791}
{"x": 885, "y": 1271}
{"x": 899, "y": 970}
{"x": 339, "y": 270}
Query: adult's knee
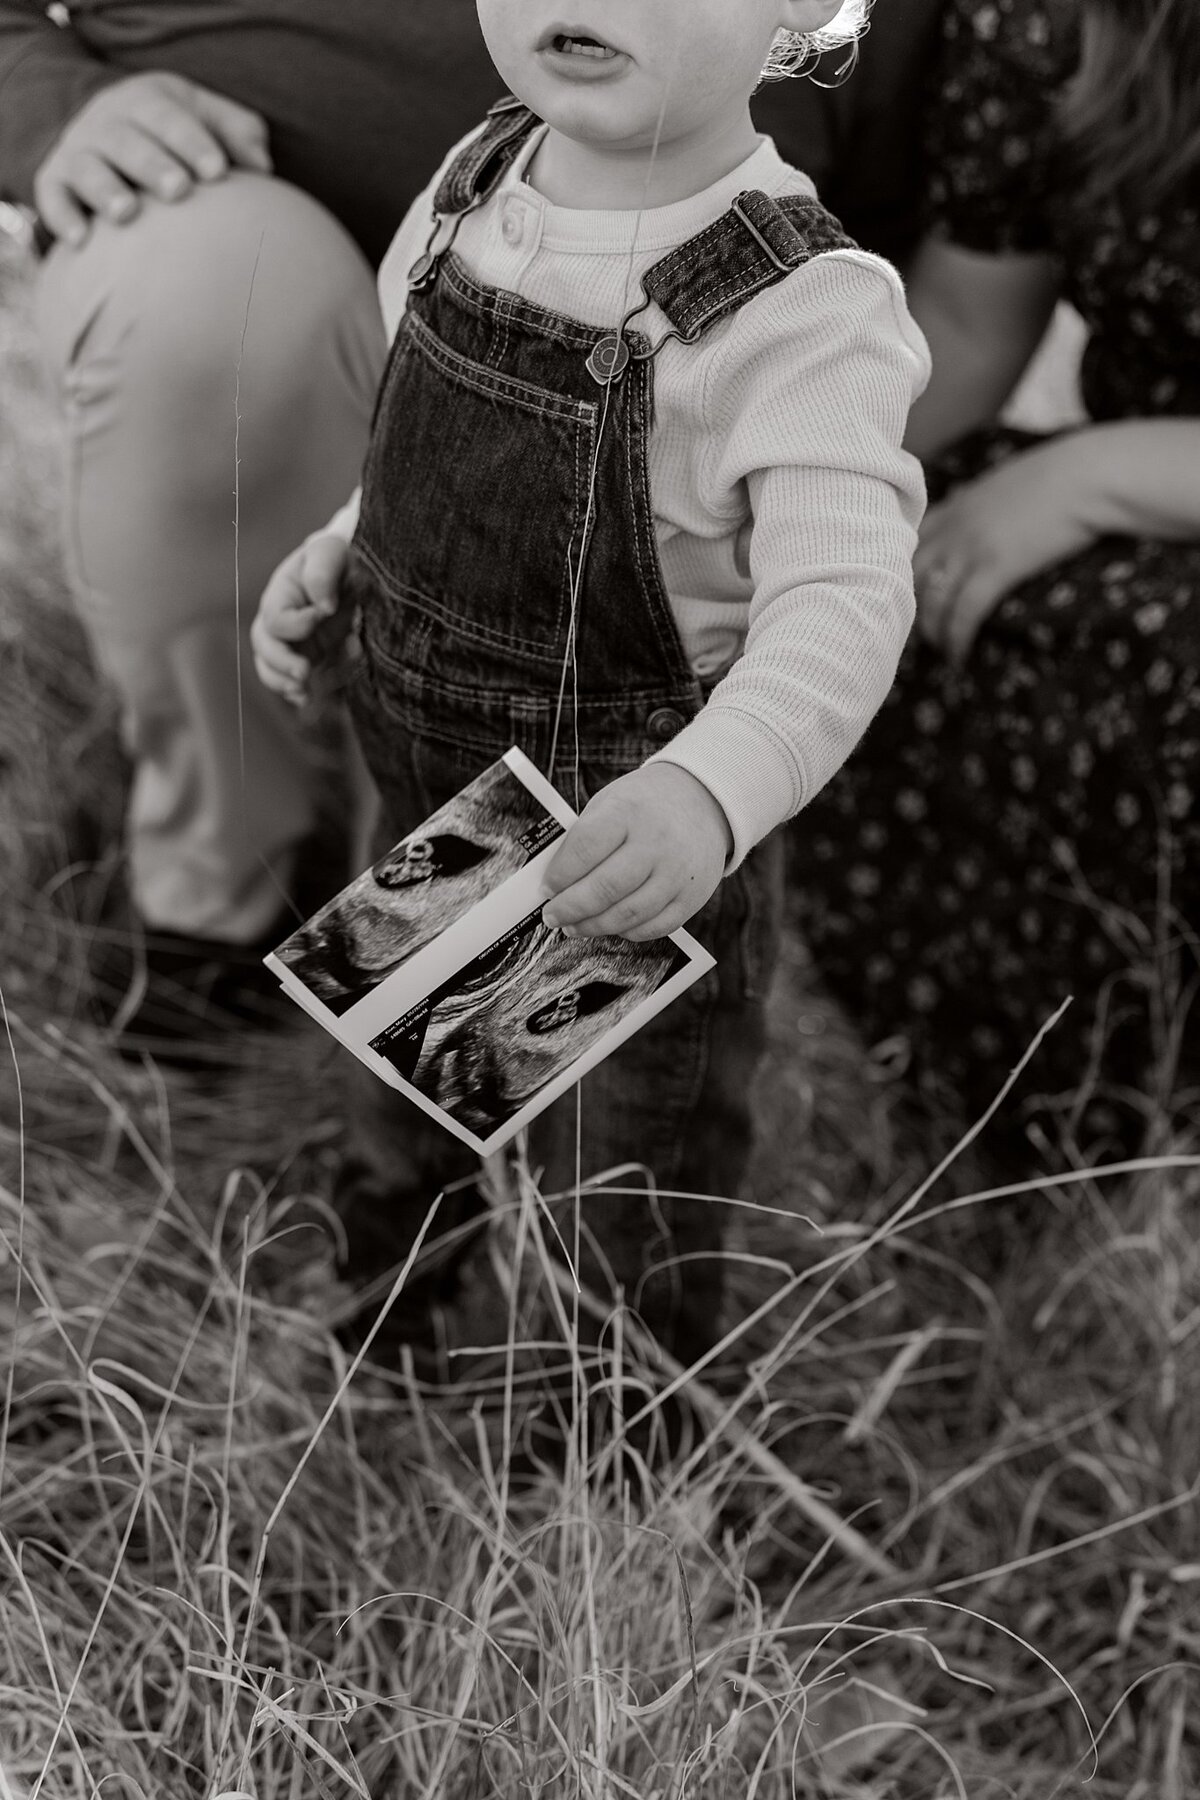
{"x": 229, "y": 343}
{"x": 241, "y": 306}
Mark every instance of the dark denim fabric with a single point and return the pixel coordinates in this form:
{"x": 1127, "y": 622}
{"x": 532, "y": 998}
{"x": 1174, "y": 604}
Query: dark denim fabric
{"x": 748, "y": 248}
{"x": 489, "y": 432}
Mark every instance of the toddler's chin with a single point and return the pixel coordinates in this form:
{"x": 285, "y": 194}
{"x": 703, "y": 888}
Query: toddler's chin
{"x": 594, "y": 113}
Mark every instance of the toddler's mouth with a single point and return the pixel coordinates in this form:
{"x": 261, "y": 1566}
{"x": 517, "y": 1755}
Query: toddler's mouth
{"x": 571, "y": 43}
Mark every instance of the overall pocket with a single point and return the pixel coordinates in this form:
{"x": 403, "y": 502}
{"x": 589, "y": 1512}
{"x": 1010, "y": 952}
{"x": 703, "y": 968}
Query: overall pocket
{"x": 473, "y": 476}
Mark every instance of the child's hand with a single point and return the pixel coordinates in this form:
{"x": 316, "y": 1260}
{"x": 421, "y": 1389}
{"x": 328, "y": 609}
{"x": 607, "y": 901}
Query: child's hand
{"x": 641, "y": 859}
{"x": 303, "y": 591}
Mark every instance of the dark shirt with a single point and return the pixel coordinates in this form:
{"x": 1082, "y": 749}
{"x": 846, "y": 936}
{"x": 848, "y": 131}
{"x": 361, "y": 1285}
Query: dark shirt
{"x": 364, "y": 97}
{"x": 1130, "y": 264}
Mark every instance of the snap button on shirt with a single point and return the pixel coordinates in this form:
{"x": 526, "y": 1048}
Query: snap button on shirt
{"x": 511, "y": 225}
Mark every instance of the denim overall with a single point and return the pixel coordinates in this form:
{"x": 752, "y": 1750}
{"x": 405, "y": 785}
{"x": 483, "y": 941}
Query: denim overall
{"x": 495, "y": 422}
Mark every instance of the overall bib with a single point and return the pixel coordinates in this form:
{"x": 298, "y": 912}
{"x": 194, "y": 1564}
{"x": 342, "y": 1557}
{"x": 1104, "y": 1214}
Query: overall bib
{"x": 509, "y": 449}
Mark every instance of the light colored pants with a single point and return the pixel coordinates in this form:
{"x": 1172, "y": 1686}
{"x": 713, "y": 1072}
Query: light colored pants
{"x": 229, "y": 341}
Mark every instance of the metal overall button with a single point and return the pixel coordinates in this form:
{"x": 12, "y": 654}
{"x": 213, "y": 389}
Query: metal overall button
{"x": 609, "y": 359}
{"x": 664, "y": 723}
{"x": 422, "y": 270}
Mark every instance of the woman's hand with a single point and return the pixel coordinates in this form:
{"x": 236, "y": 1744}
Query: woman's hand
{"x": 1129, "y": 477}
{"x": 151, "y": 133}
{"x": 993, "y": 533}
{"x": 641, "y": 859}
{"x": 304, "y": 592}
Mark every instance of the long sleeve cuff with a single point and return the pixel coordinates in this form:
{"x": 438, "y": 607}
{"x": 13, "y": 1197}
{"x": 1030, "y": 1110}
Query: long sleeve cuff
{"x": 744, "y": 767}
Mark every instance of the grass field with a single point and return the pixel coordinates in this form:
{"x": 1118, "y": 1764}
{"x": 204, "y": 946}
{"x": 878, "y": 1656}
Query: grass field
{"x": 934, "y": 1531}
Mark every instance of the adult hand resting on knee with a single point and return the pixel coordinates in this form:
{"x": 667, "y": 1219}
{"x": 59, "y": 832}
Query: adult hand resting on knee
{"x": 150, "y": 134}
{"x": 304, "y": 591}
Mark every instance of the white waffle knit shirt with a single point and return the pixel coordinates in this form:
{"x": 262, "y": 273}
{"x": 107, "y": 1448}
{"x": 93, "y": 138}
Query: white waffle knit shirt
{"x": 785, "y": 508}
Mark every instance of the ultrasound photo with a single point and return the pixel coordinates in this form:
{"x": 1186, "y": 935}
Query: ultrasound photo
{"x": 432, "y": 877}
{"x": 489, "y": 1040}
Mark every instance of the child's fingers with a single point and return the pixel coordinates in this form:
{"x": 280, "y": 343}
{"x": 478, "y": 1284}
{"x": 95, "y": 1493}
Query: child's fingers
{"x": 627, "y": 915}
{"x": 598, "y": 834}
{"x": 607, "y": 886}
{"x": 661, "y": 925}
{"x": 295, "y": 691}
{"x": 284, "y": 664}
{"x": 324, "y": 566}
{"x": 654, "y": 911}
{"x": 298, "y": 622}
{"x": 276, "y": 683}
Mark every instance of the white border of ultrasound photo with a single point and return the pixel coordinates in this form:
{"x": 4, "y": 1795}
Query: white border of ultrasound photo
{"x": 469, "y": 939}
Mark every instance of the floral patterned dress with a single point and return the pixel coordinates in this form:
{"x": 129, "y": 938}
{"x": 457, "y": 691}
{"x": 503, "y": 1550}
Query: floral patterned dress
{"x": 1029, "y": 828}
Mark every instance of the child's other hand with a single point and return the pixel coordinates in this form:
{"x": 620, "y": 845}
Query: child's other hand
{"x": 300, "y": 595}
{"x": 641, "y": 859}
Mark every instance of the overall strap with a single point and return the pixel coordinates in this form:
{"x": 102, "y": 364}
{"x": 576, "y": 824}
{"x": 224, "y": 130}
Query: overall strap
{"x": 478, "y": 168}
{"x": 752, "y": 246}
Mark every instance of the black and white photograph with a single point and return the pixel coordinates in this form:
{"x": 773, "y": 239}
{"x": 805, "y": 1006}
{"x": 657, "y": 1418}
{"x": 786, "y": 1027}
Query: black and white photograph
{"x": 493, "y": 827}
{"x": 489, "y": 1013}
{"x": 672, "y": 1273}
{"x": 507, "y": 1032}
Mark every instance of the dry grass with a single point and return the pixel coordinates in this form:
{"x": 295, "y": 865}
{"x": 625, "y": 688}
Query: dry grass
{"x": 933, "y": 1532}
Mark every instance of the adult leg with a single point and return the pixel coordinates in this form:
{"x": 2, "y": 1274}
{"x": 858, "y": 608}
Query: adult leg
{"x": 216, "y": 363}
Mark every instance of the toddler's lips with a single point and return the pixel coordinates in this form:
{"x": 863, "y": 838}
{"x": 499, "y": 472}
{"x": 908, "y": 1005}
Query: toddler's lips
{"x": 573, "y": 46}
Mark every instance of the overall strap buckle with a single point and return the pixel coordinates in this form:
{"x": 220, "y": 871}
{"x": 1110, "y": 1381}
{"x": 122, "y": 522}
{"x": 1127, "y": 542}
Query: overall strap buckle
{"x": 755, "y": 244}
{"x": 480, "y": 166}
{"x": 474, "y": 174}
{"x": 793, "y": 242}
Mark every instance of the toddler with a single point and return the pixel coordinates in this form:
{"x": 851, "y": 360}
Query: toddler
{"x": 634, "y": 501}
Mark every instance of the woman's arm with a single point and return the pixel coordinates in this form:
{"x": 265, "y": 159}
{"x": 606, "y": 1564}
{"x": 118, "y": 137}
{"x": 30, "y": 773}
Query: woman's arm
{"x": 1135, "y": 477}
{"x": 983, "y": 317}
{"x": 1141, "y": 477}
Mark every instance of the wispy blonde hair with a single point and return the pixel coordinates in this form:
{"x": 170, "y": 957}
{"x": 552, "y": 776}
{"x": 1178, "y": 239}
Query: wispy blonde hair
{"x": 798, "y": 52}
{"x": 1130, "y": 118}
